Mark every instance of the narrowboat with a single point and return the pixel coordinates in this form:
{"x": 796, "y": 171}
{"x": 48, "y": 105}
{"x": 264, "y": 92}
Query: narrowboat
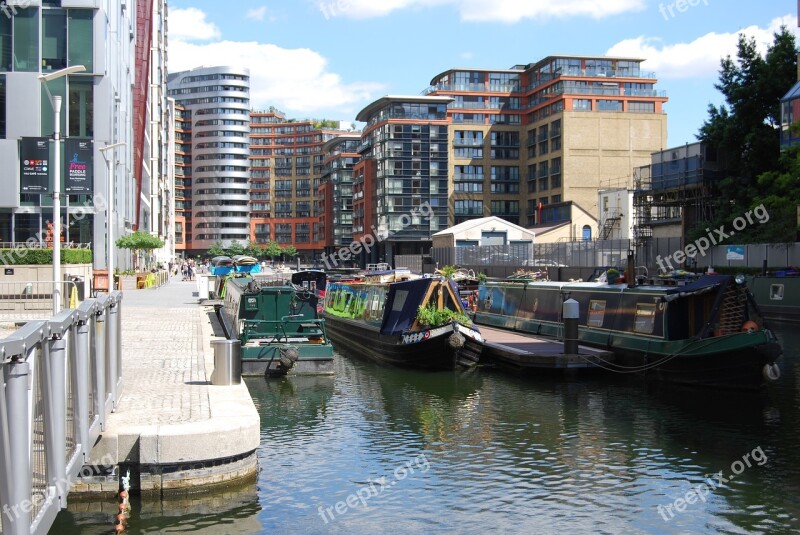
{"x": 278, "y": 324}
{"x": 395, "y": 317}
{"x": 707, "y": 332}
{"x": 777, "y": 296}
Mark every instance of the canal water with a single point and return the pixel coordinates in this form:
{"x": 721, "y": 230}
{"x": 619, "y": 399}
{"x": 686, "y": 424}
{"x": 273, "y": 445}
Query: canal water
{"x": 380, "y": 450}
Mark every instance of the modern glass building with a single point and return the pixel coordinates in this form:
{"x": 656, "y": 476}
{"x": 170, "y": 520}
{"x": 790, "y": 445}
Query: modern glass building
{"x": 41, "y": 37}
{"x": 218, "y": 99}
{"x": 334, "y": 206}
{"x": 407, "y": 138}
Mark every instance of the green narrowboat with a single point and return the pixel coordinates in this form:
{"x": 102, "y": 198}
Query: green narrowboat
{"x": 278, "y": 323}
{"x": 705, "y": 333}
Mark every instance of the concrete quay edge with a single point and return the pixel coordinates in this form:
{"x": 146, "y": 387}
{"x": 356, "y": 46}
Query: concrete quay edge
{"x": 190, "y": 456}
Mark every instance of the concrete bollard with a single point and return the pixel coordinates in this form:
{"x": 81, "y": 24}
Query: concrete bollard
{"x": 570, "y": 313}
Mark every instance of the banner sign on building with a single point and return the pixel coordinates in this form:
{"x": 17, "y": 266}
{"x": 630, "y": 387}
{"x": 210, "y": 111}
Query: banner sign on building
{"x": 78, "y": 166}
{"x": 34, "y": 172}
{"x": 735, "y": 252}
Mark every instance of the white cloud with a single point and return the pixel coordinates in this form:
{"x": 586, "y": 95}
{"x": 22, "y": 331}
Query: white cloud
{"x": 190, "y": 25}
{"x": 467, "y": 55}
{"x": 508, "y": 11}
{"x": 257, "y": 13}
{"x": 700, "y": 57}
{"x": 296, "y": 81}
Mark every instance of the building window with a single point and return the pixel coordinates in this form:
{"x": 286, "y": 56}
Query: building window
{"x": 587, "y": 233}
{"x": 468, "y": 207}
{"x": 56, "y": 87}
{"x": 26, "y": 40}
{"x": 80, "y": 34}
{"x": 609, "y": 105}
{"x": 81, "y": 107}
{"x": 642, "y": 107}
{"x": 582, "y": 104}
{"x": 54, "y": 39}
{"x": 5, "y": 43}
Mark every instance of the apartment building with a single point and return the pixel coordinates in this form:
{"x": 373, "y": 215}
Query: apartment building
{"x": 218, "y": 99}
{"x": 287, "y": 164}
{"x": 334, "y": 205}
{"x": 534, "y": 143}
{"x": 401, "y": 186}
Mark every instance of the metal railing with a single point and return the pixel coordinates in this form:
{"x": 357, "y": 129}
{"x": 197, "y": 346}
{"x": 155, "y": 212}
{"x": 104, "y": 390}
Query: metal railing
{"x": 59, "y": 379}
{"x": 27, "y": 300}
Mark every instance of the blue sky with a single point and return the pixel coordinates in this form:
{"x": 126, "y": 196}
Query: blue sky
{"x": 329, "y": 58}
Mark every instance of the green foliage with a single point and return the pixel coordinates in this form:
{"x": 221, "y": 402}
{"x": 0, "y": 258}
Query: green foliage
{"x": 289, "y": 250}
{"x": 745, "y": 135}
{"x": 216, "y": 250}
{"x": 273, "y": 249}
{"x": 140, "y": 241}
{"x": 39, "y": 257}
{"x": 235, "y": 248}
{"x": 429, "y": 316}
{"x": 448, "y": 271}
{"x": 255, "y": 250}
{"x": 326, "y": 123}
{"x": 481, "y": 278}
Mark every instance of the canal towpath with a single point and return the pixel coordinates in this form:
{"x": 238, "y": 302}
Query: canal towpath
{"x": 172, "y": 428}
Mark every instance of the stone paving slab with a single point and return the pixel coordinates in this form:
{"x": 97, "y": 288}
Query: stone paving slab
{"x": 168, "y": 412}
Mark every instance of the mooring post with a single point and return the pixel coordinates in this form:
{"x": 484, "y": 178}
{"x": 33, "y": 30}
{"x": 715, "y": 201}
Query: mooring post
{"x": 570, "y": 315}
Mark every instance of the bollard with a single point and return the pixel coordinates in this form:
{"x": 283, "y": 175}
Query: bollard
{"x": 570, "y": 314}
{"x": 227, "y": 362}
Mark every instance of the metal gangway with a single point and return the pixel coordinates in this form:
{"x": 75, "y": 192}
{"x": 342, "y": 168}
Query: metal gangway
{"x": 59, "y": 379}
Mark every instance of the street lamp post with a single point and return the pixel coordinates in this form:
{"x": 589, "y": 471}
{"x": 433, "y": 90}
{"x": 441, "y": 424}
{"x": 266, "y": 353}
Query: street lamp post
{"x": 110, "y": 164}
{"x": 55, "y": 102}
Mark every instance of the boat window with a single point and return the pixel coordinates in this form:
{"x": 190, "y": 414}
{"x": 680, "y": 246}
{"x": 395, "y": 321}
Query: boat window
{"x": 645, "y": 318}
{"x": 597, "y": 311}
{"x": 776, "y": 292}
{"x": 399, "y": 300}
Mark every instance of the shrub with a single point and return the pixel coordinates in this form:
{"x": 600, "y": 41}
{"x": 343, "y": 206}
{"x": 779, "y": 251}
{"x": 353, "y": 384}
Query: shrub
{"x": 41, "y": 257}
{"x": 430, "y": 316}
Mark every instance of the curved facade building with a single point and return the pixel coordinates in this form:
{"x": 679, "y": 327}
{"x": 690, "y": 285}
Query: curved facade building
{"x": 218, "y": 99}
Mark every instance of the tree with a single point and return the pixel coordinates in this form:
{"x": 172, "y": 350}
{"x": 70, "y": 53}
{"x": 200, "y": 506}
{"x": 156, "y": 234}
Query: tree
{"x": 272, "y": 250}
{"x": 235, "y": 248}
{"x": 216, "y": 250}
{"x": 139, "y": 241}
{"x": 289, "y": 250}
{"x": 745, "y": 133}
{"x": 255, "y": 250}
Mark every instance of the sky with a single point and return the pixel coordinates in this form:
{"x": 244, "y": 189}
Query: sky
{"x": 330, "y": 58}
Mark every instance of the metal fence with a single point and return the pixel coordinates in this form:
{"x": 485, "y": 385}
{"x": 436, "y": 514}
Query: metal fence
{"x": 27, "y": 300}
{"x": 59, "y": 378}
{"x": 653, "y": 254}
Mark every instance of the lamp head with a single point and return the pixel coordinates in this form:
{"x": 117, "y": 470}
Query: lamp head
{"x": 61, "y": 72}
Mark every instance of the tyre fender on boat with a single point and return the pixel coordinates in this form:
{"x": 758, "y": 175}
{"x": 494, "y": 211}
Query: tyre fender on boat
{"x": 771, "y": 372}
{"x": 456, "y": 340}
{"x": 750, "y": 326}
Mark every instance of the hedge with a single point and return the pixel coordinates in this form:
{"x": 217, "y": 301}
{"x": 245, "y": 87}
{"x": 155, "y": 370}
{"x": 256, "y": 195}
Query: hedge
{"x": 25, "y": 256}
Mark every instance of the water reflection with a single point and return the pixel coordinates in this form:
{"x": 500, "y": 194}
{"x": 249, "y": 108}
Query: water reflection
{"x": 233, "y": 510}
{"x": 509, "y": 454}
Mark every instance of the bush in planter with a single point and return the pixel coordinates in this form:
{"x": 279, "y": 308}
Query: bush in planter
{"x": 24, "y": 256}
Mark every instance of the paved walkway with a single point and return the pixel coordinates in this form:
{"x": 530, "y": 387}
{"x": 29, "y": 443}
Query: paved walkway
{"x": 169, "y": 413}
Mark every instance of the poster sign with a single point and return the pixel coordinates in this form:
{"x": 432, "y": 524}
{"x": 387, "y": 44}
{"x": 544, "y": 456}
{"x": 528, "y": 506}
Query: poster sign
{"x": 735, "y": 252}
{"x": 78, "y": 168}
{"x": 34, "y": 172}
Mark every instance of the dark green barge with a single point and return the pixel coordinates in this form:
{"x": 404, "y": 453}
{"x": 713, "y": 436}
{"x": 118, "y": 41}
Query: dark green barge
{"x": 277, "y": 321}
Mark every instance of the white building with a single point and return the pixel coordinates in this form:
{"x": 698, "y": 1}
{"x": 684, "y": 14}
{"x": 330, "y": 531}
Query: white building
{"x": 615, "y": 214}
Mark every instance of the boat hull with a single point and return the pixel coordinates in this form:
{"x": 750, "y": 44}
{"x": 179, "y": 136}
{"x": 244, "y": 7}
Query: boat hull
{"x": 313, "y": 359}
{"x": 410, "y": 350}
{"x": 777, "y": 298}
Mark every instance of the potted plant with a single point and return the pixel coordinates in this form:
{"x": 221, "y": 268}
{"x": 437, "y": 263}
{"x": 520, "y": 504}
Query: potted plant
{"x": 612, "y": 275}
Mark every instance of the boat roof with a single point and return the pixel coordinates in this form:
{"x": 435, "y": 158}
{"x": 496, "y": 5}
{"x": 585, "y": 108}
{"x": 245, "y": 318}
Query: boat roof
{"x": 703, "y": 283}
